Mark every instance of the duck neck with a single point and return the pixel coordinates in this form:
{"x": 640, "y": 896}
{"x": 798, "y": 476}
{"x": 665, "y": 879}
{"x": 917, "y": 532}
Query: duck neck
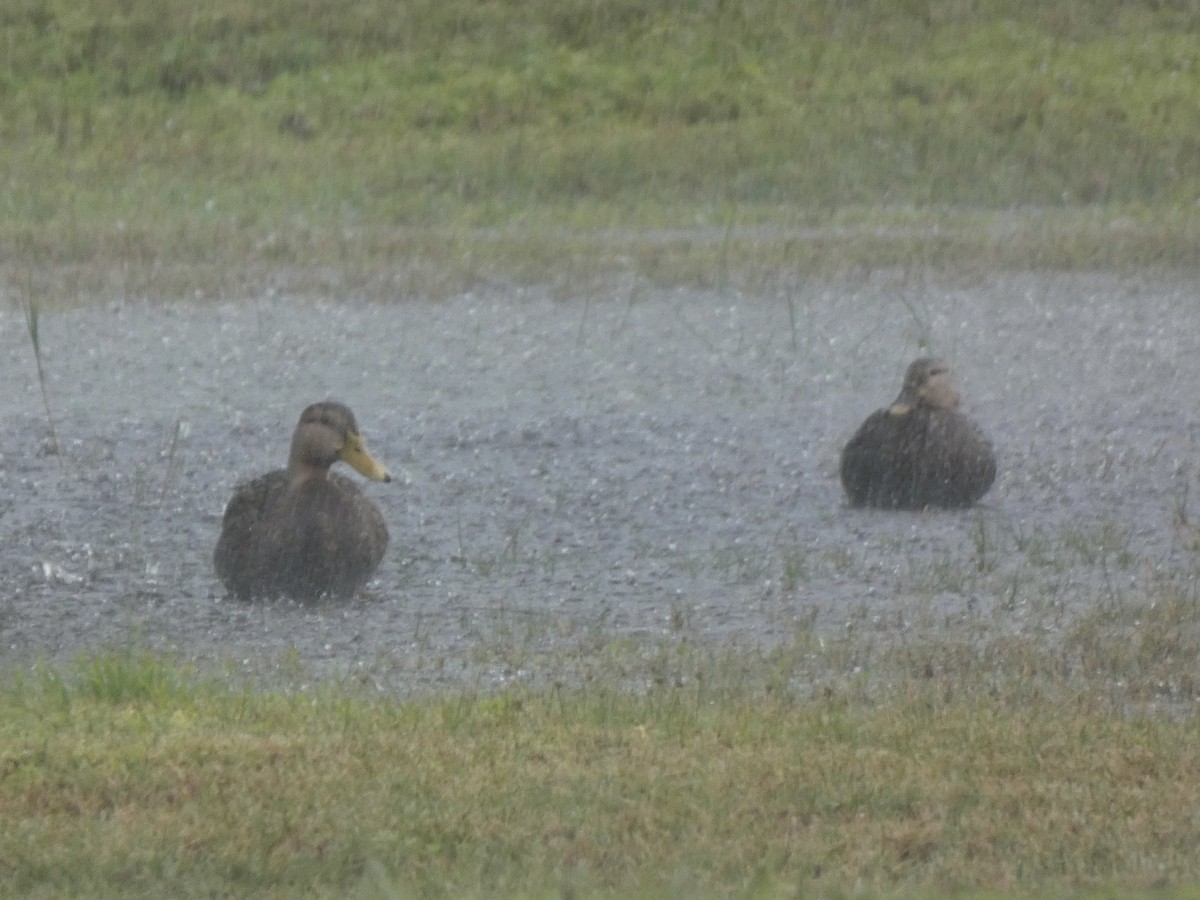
{"x": 301, "y": 470}
{"x": 304, "y": 474}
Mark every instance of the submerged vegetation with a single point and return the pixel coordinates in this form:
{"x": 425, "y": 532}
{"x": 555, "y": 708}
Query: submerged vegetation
{"x": 517, "y": 139}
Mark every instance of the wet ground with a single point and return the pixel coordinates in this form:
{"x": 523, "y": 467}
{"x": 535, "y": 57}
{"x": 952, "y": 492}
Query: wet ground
{"x": 655, "y": 464}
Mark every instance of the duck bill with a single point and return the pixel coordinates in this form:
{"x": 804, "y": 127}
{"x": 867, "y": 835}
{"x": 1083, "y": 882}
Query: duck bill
{"x": 354, "y": 453}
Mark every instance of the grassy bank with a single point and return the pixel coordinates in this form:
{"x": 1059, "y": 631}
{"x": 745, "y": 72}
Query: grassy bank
{"x": 462, "y": 140}
{"x": 960, "y": 765}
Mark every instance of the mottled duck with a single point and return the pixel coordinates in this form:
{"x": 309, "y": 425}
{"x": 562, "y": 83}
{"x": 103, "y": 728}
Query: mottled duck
{"x": 305, "y": 532}
{"x": 920, "y": 451}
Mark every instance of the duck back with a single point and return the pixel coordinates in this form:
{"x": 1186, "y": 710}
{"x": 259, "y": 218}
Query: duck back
{"x": 321, "y": 537}
{"x": 921, "y": 458}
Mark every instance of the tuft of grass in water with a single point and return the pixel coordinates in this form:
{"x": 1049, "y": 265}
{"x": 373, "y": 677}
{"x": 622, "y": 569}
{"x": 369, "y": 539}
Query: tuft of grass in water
{"x": 32, "y": 310}
{"x": 1100, "y": 543}
{"x": 1144, "y": 650}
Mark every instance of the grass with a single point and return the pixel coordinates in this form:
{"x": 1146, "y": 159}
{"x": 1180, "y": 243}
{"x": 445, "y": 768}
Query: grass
{"x": 962, "y": 759}
{"x": 928, "y": 769}
{"x": 156, "y": 149}
{"x": 32, "y": 310}
{"x": 989, "y": 754}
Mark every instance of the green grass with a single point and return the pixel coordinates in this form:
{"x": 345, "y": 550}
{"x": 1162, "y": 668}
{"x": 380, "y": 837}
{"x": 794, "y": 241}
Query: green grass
{"x": 545, "y": 140}
{"x": 828, "y": 767}
{"x": 992, "y": 753}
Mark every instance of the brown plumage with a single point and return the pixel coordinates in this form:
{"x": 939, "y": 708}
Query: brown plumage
{"x": 305, "y": 532}
{"x": 920, "y": 451}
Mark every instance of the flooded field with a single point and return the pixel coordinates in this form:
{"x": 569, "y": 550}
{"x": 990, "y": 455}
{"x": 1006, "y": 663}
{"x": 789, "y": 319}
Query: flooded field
{"x": 652, "y": 465}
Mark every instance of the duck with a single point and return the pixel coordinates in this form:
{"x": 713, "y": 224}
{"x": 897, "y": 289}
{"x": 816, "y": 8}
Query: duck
{"x": 305, "y": 532}
{"x": 920, "y": 452}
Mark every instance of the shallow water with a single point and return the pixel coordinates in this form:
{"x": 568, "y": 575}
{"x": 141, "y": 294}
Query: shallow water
{"x": 655, "y": 463}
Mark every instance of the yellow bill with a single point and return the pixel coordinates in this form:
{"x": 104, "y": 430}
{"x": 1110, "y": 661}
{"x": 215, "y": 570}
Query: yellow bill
{"x": 354, "y": 453}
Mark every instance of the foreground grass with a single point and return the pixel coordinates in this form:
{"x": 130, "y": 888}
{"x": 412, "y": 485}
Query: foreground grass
{"x": 942, "y": 769}
{"x": 454, "y": 141}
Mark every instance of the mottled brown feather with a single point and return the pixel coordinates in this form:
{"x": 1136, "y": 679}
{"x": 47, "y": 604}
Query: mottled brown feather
{"x": 919, "y": 452}
{"x": 302, "y": 532}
